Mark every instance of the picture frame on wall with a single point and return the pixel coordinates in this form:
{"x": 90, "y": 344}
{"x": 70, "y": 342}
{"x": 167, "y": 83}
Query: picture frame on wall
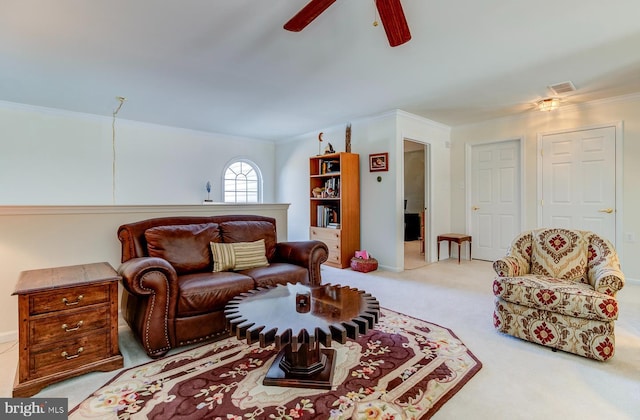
{"x": 379, "y": 162}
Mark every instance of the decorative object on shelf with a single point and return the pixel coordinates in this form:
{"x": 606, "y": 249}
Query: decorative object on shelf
{"x": 317, "y": 192}
{"x": 378, "y": 162}
{"x": 329, "y": 149}
{"x": 320, "y": 143}
{"x": 363, "y": 262}
{"x": 347, "y": 139}
{"x": 208, "y": 187}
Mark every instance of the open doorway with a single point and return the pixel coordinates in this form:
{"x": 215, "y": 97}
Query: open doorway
{"x": 416, "y": 197}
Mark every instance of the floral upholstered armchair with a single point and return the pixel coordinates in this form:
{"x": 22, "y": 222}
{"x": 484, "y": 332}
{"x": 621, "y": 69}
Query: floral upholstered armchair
{"x": 557, "y": 287}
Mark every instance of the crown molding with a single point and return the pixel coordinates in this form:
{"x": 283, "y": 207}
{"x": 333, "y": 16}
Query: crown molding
{"x": 432, "y": 123}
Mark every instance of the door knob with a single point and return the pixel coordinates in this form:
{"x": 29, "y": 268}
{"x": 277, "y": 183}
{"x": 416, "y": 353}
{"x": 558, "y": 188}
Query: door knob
{"x": 609, "y": 211}
{"x": 474, "y": 208}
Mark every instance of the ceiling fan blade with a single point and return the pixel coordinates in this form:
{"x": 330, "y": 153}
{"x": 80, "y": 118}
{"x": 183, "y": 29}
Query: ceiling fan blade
{"x": 394, "y": 22}
{"x": 307, "y": 14}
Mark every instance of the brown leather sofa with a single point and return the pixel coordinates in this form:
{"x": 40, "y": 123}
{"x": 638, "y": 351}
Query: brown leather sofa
{"x": 171, "y": 295}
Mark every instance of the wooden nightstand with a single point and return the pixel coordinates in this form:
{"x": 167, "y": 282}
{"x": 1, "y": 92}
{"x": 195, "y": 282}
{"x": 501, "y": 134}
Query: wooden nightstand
{"x": 68, "y": 324}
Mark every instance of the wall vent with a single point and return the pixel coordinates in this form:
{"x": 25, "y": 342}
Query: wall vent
{"x": 561, "y": 88}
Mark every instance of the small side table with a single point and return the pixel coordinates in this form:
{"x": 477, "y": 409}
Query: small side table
{"x": 457, "y": 238}
{"x": 68, "y": 324}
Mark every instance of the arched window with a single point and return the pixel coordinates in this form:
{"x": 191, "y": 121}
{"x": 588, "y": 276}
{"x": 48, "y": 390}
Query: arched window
{"x": 242, "y": 182}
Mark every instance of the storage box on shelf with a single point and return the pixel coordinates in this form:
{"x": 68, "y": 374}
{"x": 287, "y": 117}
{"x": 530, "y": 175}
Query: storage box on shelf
{"x": 335, "y": 205}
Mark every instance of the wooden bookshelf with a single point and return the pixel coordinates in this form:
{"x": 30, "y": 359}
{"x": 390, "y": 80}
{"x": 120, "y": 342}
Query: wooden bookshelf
{"x": 334, "y": 181}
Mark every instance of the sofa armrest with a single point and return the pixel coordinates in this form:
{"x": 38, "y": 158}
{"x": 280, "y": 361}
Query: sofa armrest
{"x": 136, "y": 279}
{"x": 308, "y": 254}
{"x": 510, "y": 266}
{"x": 154, "y": 280}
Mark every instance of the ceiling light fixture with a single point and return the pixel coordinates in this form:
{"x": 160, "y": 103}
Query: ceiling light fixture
{"x": 549, "y": 104}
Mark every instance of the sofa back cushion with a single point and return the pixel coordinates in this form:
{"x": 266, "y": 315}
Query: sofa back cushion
{"x": 560, "y": 253}
{"x": 185, "y": 247}
{"x": 250, "y": 231}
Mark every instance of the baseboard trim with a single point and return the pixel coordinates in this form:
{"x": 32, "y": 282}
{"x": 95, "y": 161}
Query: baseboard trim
{"x": 9, "y": 336}
{"x": 632, "y": 281}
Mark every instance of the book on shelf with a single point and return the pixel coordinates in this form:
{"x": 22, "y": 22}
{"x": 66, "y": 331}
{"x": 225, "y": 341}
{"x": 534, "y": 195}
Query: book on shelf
{"x": 326, "y": 216}
{"x": 329, "y": 166}
{"x": 333, "y": 225}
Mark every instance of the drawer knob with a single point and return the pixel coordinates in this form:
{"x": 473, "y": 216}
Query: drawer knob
{"x": 72, "y": 356}
{"x": 66, "y": 301}
{"x": 77, "y": 327}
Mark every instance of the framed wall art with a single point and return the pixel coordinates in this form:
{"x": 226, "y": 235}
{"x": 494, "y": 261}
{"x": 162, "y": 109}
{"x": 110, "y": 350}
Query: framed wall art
{"x": 379, "y": 162}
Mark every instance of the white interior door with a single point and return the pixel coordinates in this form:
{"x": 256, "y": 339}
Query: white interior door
{"x": 495, "y": 198}
{"x": 579, "y": 181}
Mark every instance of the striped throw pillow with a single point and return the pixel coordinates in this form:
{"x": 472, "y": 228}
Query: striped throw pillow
{"x": 249, "y": 255}
{"x": 224, "y": 258}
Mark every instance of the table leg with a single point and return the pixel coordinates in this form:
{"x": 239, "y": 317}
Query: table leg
{"x": 307, "y": 367}
{"x": 439, "y": 249}
{"x": 459, "y": 252}
{"x": 469, "y": 249}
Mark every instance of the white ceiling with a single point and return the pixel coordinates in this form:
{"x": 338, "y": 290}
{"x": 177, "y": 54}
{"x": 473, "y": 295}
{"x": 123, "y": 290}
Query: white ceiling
{"x": 227, "y": 66}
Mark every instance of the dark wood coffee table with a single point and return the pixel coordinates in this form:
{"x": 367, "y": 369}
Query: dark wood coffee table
{"x": 298, "y": 319}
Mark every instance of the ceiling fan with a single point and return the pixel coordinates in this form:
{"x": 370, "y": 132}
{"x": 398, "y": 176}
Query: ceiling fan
{"x": 391, "y": 15}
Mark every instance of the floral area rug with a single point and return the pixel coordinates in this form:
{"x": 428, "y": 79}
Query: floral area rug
{"x": 404, "y": 368}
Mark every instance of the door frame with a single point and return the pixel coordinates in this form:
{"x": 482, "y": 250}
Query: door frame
{"x": 468, "y": 152}
{"x": 428, "y": 179}
{"x": 618, "y": 126}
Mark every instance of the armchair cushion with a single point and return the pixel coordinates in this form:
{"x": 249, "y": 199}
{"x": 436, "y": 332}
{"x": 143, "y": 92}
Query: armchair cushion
{"x": 549, "y": 294}
{"x": 559, "y": 253}
{"x": 185, "y": 247}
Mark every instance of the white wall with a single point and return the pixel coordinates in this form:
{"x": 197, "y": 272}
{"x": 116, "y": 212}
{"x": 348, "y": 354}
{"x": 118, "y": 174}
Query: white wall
{"x": 528, "y": 126}
{"x": 53, "y": 157}
{"x": 381, "y": 203}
